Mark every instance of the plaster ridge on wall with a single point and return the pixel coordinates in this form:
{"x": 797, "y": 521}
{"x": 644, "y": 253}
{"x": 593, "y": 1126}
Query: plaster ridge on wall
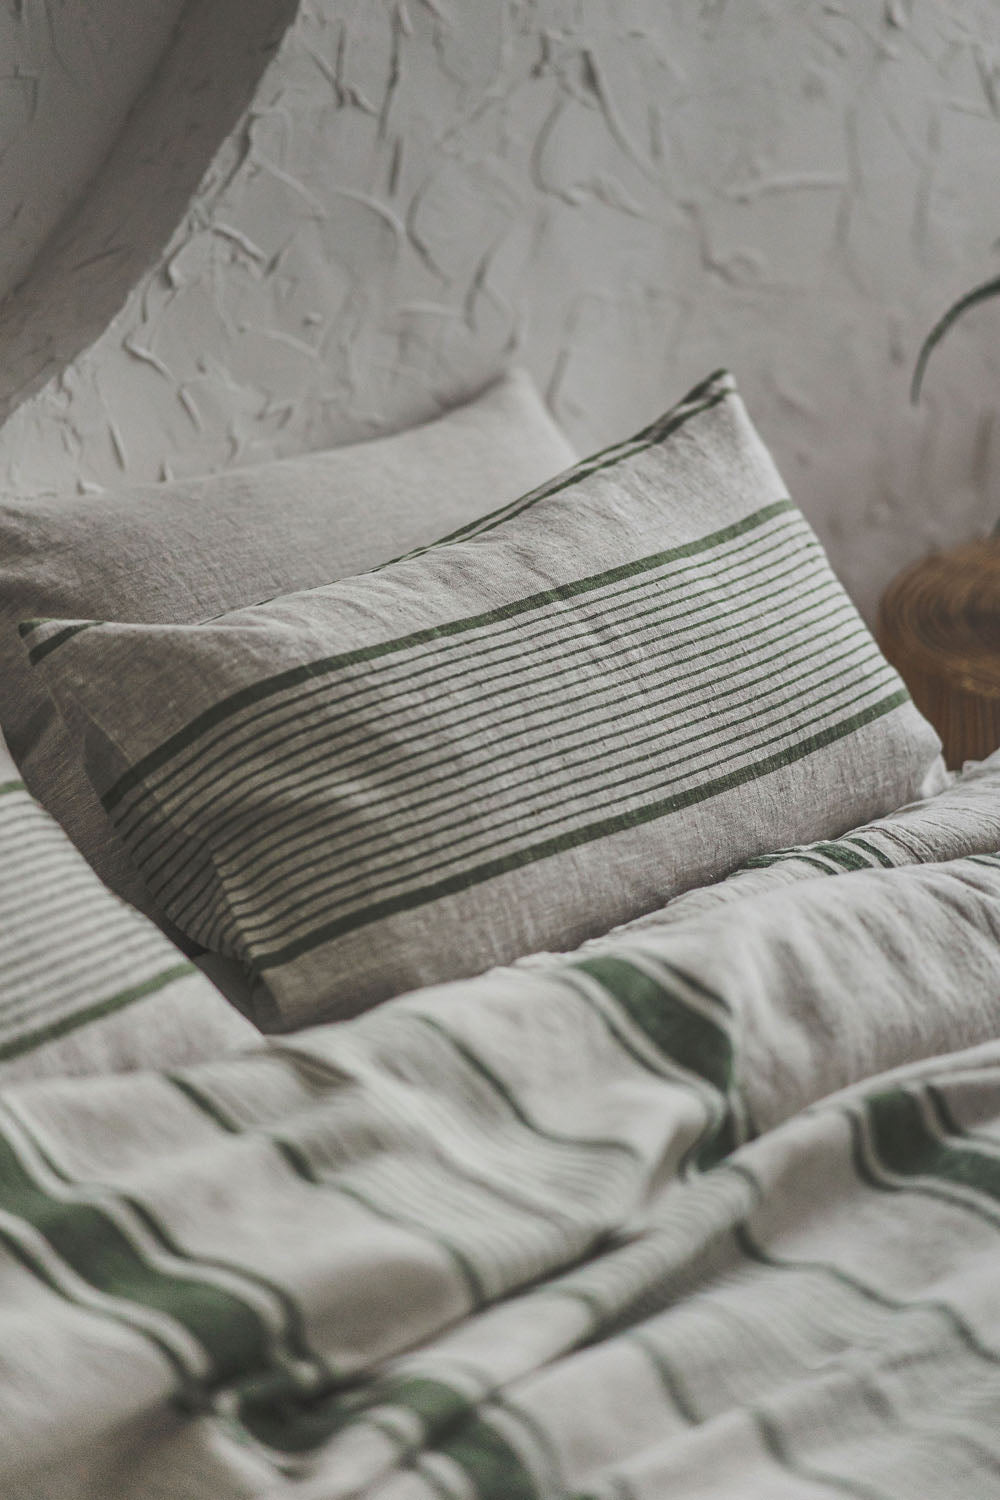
{"x": 621, "y": 196}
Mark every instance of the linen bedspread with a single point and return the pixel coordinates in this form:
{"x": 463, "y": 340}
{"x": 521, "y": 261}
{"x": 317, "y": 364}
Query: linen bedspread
{"x": 709, "y": 1208}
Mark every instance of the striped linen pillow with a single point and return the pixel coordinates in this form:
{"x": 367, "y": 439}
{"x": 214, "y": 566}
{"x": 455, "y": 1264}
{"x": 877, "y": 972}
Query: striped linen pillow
{"x": 625, "y": 683}
{"x": 183, "y": 551}
{"x": 87, "y": 985}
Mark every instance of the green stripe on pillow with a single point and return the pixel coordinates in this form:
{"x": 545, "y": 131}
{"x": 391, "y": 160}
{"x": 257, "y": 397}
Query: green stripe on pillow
{"x": 633, "y": 680}
{"x": 86, "y": 983}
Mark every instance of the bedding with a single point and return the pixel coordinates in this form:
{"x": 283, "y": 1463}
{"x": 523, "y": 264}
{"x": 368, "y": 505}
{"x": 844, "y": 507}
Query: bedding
{"x": 621, "y": 685}
{"x": 193, "y": 548}
{"x": 972, "y": 822}
{"x": 87, "y": 985}
{"x": 711, "y": 1208}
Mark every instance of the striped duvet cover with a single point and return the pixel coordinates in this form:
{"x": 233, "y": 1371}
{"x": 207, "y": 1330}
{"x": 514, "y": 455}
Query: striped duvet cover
{"x": 708, "y": 1208}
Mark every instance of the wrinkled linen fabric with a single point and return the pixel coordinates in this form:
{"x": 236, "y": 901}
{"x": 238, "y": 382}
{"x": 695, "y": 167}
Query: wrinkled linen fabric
{"x": 710, "y": 1210}
{"x": 193, "y": 548}
{"x": 935, "y": 828}
{"x": 87, "y": 985}
{"x": 616, "y": 688}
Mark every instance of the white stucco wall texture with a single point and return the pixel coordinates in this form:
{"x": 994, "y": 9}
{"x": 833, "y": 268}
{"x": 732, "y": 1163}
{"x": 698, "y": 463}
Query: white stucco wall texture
{"x": 619, "y": 194}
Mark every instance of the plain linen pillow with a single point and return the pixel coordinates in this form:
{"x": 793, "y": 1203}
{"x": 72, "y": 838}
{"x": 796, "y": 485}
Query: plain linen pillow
{"x": 626, "y": 683}
{"x": 89, "y": 985}
{"x": 185, "y": 551}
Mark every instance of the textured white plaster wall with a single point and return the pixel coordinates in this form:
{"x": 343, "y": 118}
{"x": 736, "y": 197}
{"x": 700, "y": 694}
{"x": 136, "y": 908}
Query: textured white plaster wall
{"x": 620, "y": 194}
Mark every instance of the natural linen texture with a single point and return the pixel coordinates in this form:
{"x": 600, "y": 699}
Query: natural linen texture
{"x": 624, "y": 684}
{"x": 594, "y": 1233}
{"x": 86, "y": 984}
{"x": 194, "y": 548}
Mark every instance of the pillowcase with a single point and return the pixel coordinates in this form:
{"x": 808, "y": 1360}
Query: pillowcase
{"x": 87, "y": 984}
{"x": 626, "y": 683}
{"x": 185, "y": 551}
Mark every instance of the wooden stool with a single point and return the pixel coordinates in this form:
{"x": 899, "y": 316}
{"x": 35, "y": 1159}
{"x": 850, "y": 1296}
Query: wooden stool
{"x": 939, "y": 625}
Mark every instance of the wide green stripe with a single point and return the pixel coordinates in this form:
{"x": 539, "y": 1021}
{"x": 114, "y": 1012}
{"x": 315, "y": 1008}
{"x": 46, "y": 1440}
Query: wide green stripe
{"x": 878, "y": 855}
{"x": 30, "y": 1040}
{"x": 906, "y": 1146}
{"x": 274, "y": 1412}
{"x": 687, "y": 1036}
{"x": 448, "y": 1420}
{"x": 718, "y": 1135}
{"x": 387, "y": 692}
{"x": 233, "y": 831}
{"x": 89, "y": 1241}
{"x": 719, "y": 1143}
{"x": 294, "y": 1329}
{"x": 53, "y": 642}
{"x": 846, "y": 858}
{"x": 663, "y": 1066}
{"x": 492, "y": 1465}
{"x": 11, "y": 786}
{"x": 624, "y": 788}
{"x": 307, "y": 671}
{"x": 832, "y": 850}
{"x": 543, "y": 1443}
{"x": 766, "y": 861}
{"x": 872, "y": 1172}
{"x": 35, "y": 1266}
{"x": 574, "y": 838}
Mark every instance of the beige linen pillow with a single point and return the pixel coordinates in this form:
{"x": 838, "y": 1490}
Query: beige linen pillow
{"x": 87, "y": 984}
{"x": 185, "y": 551}
{"x": 622, "y": 685}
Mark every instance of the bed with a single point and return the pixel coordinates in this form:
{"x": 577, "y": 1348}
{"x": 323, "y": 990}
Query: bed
{"x": 622, "y": 1120}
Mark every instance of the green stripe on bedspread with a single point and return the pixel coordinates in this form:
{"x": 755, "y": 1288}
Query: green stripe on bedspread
{"x": 488, "y": 1242}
